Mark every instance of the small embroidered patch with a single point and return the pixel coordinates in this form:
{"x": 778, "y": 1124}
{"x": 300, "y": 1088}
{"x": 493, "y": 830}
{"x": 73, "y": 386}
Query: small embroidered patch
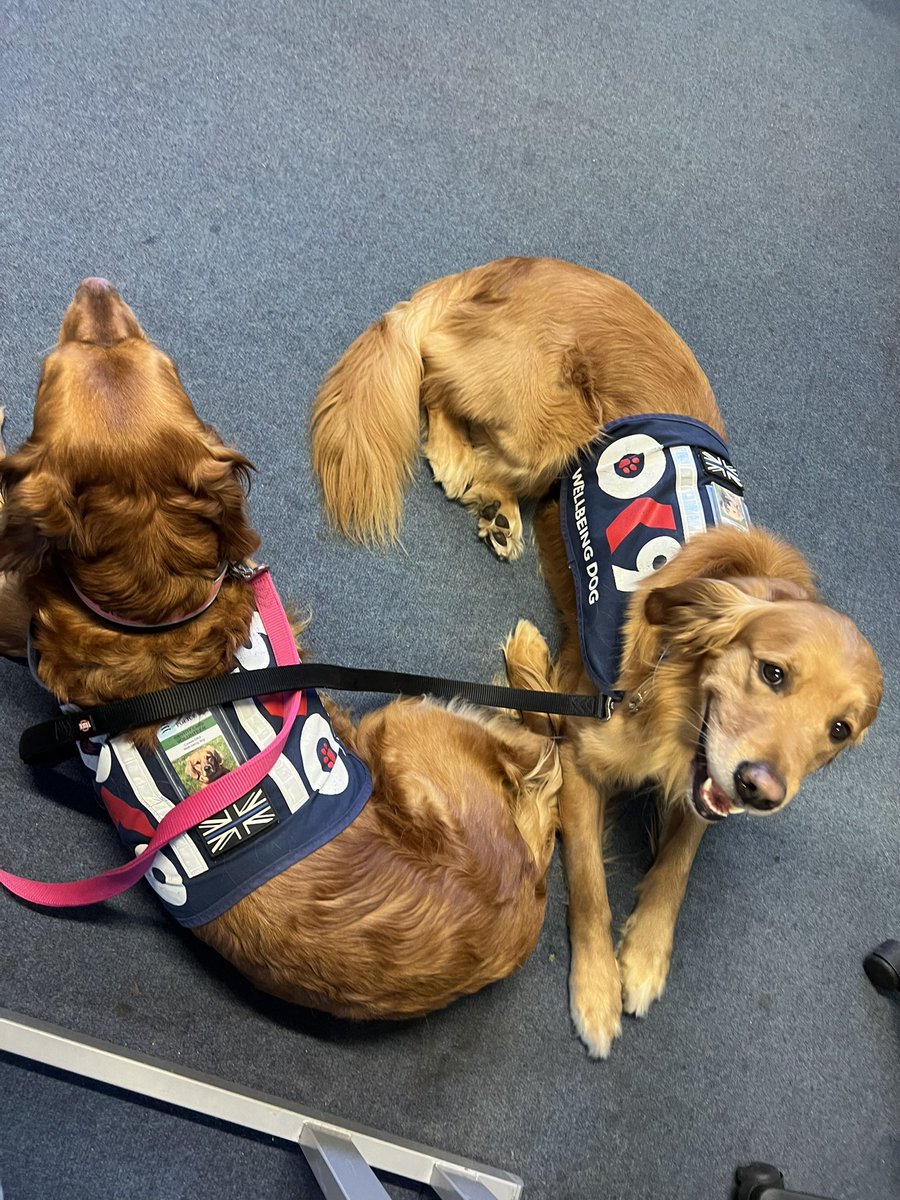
{"x": 720, "y": 469}
{"x": 629, "y": 464}
{"x": 237, "y": 823}
{"x": 327, "y": 755}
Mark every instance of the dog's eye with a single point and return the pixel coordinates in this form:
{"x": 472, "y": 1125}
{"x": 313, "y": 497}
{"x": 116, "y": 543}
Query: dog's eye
{"x": 839, "y": 731}
{"x": 772, "y": 675}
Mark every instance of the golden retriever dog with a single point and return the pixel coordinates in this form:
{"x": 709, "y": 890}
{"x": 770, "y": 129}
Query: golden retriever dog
{"x": 206, "y": 765}
{"x": 736, "y": 681}
{"x": 438, "y": 887}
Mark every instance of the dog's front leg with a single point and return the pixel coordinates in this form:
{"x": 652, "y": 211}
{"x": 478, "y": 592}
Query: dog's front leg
{"x": 595, "y": 993}
{"x": 645, "y": 951}
{"x": 469, "y": 477}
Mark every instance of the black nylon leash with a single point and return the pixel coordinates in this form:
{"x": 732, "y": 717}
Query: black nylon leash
{"x": 53, "y": 741}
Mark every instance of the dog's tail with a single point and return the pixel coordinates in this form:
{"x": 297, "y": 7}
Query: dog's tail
{"x": 529, "y": 665}
{"x": 365, "y": 422}
{"x": 536, "y": 811}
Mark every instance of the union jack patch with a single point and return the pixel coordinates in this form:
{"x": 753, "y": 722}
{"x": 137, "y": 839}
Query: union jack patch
{"x": 237, "y": 823}
{"x": 720, "y": 469}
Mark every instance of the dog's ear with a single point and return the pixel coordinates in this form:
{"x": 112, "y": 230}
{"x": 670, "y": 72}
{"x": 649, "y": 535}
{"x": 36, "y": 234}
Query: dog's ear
{"x": 764, "y": 588}
{"x": 39, "y": 509}
{"x": 699, "y": 615}
{"x": 701, "y": 599}
{"x": 220, "y": 479}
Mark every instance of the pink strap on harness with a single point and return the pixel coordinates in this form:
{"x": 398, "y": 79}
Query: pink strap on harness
{"x": 193, "y": 809}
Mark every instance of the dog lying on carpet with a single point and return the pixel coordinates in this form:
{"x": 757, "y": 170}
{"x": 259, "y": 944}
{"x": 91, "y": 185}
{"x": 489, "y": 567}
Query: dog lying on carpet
{"x": 733, "y": 681}
{"x": 122, "y": 502}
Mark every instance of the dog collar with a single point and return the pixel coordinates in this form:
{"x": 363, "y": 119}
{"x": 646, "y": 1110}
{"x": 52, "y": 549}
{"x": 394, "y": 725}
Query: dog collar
{"x": 175, "y": 619}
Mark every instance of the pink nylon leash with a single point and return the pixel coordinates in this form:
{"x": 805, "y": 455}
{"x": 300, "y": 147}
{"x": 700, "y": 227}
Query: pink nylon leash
{"x": 194, "y": 809}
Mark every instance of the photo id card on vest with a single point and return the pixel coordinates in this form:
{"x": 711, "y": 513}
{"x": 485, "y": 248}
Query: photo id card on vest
{"x": 196, "y": 750}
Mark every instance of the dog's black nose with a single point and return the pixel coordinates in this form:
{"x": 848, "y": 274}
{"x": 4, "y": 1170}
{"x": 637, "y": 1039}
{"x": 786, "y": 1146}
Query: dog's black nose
{"x": 759, "y": 785}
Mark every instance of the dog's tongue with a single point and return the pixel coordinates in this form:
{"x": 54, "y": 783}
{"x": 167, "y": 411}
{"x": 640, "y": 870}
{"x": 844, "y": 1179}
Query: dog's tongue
{"x": 716, "y": 798}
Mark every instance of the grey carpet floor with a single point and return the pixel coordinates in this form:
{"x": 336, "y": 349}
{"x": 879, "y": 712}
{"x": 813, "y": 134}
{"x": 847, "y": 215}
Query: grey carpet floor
{"x": 262, "y": 181}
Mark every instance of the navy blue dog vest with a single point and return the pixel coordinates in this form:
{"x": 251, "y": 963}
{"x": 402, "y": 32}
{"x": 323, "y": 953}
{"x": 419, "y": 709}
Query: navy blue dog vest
{"x": 313, "y": 791}
{"x": 627, "y": 506}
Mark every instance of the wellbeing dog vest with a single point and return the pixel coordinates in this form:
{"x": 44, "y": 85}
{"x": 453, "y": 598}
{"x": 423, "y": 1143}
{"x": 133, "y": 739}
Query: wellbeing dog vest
{"x": 313, "y": 791}
{"x": 627, "y": 506}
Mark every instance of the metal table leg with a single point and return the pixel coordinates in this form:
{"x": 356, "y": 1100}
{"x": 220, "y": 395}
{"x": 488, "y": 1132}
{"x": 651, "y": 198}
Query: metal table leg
{"x": 354, "y": 1151}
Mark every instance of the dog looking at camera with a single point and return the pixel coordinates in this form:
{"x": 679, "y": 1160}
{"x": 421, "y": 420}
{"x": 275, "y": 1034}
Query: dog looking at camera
{"x": 123, "y": 496}
{"x": 206, "y": 765}
{"x": 734, "y": 681}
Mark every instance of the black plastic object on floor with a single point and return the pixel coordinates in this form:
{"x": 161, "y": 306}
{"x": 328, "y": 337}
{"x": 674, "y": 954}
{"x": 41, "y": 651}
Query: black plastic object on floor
{"x": 883, "y": 966}
{"x": 762, "y": 1181}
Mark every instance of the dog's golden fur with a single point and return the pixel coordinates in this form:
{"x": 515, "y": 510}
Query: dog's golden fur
{"x": 518, "y": 365}
{"x": 439, "y": 886}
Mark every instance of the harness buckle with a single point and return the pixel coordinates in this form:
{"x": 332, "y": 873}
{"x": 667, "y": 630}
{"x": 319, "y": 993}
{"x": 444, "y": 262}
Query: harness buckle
{"x": 605, "y": 707}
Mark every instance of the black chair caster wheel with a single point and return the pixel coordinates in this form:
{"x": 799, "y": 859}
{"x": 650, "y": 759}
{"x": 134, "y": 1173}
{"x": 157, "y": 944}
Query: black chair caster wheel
{"x": 755, "y": 1176}
{"x": 883, "y": 966}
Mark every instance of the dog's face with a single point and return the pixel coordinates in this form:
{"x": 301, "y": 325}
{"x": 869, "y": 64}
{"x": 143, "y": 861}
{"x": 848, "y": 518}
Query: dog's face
{"x": 206, "y": 765}
{"x": 785, "y": 685}
{"x": 139, "y": 501}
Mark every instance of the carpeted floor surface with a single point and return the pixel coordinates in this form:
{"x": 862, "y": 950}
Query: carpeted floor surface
{"x": 262, "y": 181}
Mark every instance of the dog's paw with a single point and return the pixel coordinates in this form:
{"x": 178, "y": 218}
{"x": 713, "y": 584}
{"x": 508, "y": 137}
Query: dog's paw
{"x": 644, "y": 959}
{"x": 500, "y": 525}
{"x": 595, "y": 1001}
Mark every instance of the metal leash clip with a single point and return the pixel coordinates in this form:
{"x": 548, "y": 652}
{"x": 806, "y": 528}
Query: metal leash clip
{"x": 245, "y": 571}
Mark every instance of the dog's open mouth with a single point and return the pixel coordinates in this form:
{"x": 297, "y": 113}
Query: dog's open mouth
{"x": 711, "y": 802}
